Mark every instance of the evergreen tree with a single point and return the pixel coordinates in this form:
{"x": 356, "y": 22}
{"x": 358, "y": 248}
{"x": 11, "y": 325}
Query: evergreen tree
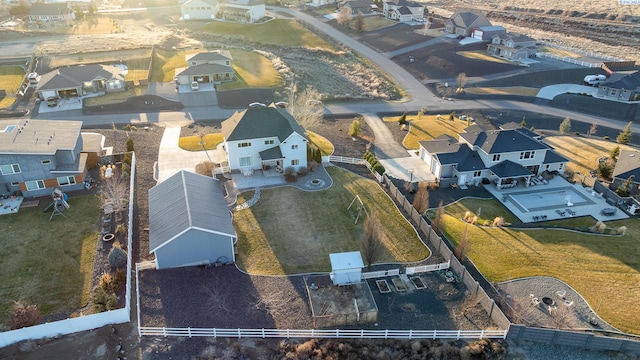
{"x": 625, "y": 135}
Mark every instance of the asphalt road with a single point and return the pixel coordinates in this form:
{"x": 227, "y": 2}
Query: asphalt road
{"x": 417, "y": 96}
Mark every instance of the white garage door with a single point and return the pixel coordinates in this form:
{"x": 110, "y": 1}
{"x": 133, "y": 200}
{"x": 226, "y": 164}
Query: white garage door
{"x": 477, "y": 34}
{"x": 49, "y": 93}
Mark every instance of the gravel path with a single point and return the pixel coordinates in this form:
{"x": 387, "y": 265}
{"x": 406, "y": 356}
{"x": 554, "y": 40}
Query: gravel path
{"x": 569, "y": 310}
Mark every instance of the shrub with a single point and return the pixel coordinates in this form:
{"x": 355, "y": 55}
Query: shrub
{"x": 23, "y": 315}
{"x": 403, "y": 119}
{"x": 302, "y": 171}
{"x": 498, "y": 221}
{"x": 379, "y": 169}
{"x": 120, "y": 278}
{"x": 474, "y": 220}
{"x": 290, "y": 174}
{"x": 103, "y": 301}
{"x": 121, "y": 229}
{"x": 467, "y": 216}
{"x": 129, "y": 144}
{"x": 126, "y": 169}
{"x": 129, "y": 127}
{"x": 107, "y": 283}
{"x": 621, "y": 230}
{"x": 606, "y": 138}
{"x": 355, "y": 128}
{"x": 117, "y": 256}
{"x": 604, "y": 170}
{"x": 205, "y": 168}
{"x": 126, "y": 159}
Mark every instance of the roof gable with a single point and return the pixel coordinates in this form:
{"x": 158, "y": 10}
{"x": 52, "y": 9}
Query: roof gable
{"x": 261, "y": 122}
{"x": 502, "y": 141}
{"x": 185, "y": 201}
{"x": 28, "y": 136}
{"x": 73, "y": 76}
{"x": 630, "y": 82}
{"x": 216, "y": 55}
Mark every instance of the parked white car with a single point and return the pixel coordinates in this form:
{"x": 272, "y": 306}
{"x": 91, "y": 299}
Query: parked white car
{"x": 195, "y": 86}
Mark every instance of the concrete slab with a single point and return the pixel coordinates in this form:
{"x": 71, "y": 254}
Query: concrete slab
{"x": 409, "y": 168}
{"x": 557, "y": 200}
{"x": 551, "y": 91}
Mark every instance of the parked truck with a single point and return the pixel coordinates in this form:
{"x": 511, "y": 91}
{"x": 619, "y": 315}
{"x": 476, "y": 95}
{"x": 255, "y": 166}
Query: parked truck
{"x": 594, "y": 80}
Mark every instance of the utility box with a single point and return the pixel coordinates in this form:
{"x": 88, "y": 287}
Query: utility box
{"x": 346, "y": 268}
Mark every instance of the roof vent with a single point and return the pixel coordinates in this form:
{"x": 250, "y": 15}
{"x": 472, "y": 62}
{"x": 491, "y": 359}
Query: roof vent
{"x": 632, "y": 155}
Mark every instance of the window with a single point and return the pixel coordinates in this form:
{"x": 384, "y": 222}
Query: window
{"x": 496, "y": 157}
{"x": 66, "y": 180}
{"x": 293, "y": 147}
{"x": 15, "y": 183}
{"x": 477, "y": 173}
{"x": 527, "y": 155}
{"x": 560, "y": 167}
{"x": 245, "y": 161}
{"x": 295, "y": 162}
{"x": 244, "y": 144}
{"x": 10, "y": 169}
{"x": 614, "y": 92}
{"x": 34, "y": 185}
{"x": 268, "y": 142}
{"x": 46, "y": 162}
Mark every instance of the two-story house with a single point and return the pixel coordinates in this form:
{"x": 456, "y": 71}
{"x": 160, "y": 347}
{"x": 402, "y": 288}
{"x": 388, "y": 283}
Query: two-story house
{"x": 402, "y": 10}
{"x": 358, "y": 6}
{"x": 37, "y": 156}
{"x": 245, "y": 11}
{"x": 504, "y": 157}
{"x": 199, "y": 9}
{"x": 207, "y": 67}
{"x": 266, "y": 137}
{"x": 511, "y": 46}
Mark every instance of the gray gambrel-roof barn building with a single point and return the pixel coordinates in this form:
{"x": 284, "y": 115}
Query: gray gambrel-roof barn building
{"x": 189, "y": 223}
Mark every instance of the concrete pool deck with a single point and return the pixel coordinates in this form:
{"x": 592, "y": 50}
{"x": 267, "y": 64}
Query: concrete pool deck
{"x": 549, "y": 201}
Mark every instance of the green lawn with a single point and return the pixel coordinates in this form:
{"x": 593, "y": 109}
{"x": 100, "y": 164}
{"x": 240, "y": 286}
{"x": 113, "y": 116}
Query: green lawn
{"x": 138, "y": 69}
{"x": 280, "y": 32}
{"x": 429, "y": 127}
{"x": 116, "y": 97}
{"x": 49, "y": 264}
{"x": 194, "y": 142}
{"x": 165, "y": 62}
{"x": 7, "y": 102}
{"x": 598, "y": 267}
{"x": 252, "y": 70}
{"x": 11, "y": 77}
{"x": 292, "y": 231}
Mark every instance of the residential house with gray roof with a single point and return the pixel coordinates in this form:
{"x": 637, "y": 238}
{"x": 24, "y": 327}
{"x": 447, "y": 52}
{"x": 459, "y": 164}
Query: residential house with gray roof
{"x": 505, "y": 157}
{"x": 627, "y": 169}
{"x": 621, "y": 88}
{"x": 189, "y": 222}
{"x": 40, "y": 12}
{"x": 512, "y": 46}
{"x": 358, "y": 6}
{"x": 77, "y": 81}
{"x": 207, "y": 67}
{"x": 244, "y": 11}
{"x": 199, "y": 9}
{"x": 264, "y": 138}
{"x": 462, "y": 22}
{"x": 37, "y": 156}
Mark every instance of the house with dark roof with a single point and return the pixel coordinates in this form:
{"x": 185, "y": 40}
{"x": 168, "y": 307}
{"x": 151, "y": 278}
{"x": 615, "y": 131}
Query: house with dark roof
{"x": 207, "y": 67}
{"x": 504, "y": 156}
{"x": 358, "y": 6}
{"x": 40, "y": 12}
{"x": 81, "y": 80}
{"x": 625, "y": 88}
{"x": 462, "y": 22}
{"x": 189, "y": 222}
{"x": 37, "y": 156}
{"x": 627, "y": 169}
{"x": 512, "y": 46}
{"x": 402, "y": 10}
{"x": 265, "y": 137}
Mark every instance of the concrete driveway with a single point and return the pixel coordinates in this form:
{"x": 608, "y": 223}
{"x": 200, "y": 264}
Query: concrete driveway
{"x": 551, "y": 91}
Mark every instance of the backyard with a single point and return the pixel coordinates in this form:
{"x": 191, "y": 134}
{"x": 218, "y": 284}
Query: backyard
{"x": 290, "y": 231}
{"x": 49, "y": 263}
{"x": 584, "y": 153}
{"x": 11, "y": 77}
{"x": 603, "y": 268}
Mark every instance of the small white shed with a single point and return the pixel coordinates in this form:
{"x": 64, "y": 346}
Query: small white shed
{"x": 346, "y": 268}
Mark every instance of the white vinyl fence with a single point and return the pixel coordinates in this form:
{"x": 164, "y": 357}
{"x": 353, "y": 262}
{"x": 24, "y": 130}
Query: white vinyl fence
{"x": 313, "y": 333}
{"x": 427, "y": 268}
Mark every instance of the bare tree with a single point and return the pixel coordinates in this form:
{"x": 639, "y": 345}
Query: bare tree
{"x": 593, "y": 129}
{"x": 344, "y": 16}
{"x": 359, "y": 22}
{"x": 218, "y": 299}
{"x": 437, "y": 219}
{"x": 421, "y": 199}
{"x": 114, "y": 189}
{"x": 461, "y": 79}
{"x": 305, "y": 106}
{"x": 463, "y": 245}
{"x": 371, "y": 245}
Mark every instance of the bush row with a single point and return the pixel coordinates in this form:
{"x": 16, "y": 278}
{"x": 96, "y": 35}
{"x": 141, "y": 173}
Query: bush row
{"x": 375, "y": 165}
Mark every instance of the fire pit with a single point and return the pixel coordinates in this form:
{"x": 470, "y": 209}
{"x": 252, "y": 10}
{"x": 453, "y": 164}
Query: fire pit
{"x": 548, "y": 301}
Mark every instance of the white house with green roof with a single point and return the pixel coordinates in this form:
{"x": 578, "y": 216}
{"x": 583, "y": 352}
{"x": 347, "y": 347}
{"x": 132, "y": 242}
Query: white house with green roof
{"x": 266, "y": 137}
